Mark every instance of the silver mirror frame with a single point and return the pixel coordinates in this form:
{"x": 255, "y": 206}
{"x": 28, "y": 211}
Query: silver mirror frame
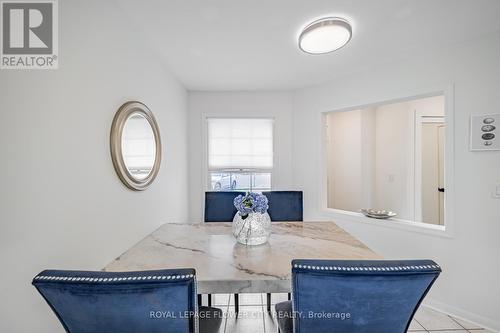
{"x": 121, "y": 116}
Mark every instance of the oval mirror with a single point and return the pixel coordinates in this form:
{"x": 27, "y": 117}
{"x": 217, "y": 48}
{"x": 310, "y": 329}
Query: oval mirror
{"x": 135, "y": 145}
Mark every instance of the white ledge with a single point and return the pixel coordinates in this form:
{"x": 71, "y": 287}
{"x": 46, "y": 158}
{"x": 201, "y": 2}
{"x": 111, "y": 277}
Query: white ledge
{"x": 394, "y": 223}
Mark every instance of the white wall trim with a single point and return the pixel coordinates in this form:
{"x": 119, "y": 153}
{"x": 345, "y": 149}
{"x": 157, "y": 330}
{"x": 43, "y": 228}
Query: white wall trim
{"x": 486, "y": 323}
{"x": 412, "y": 226}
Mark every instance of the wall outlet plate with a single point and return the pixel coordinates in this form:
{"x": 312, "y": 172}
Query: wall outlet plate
{"x": 485, "y": 132}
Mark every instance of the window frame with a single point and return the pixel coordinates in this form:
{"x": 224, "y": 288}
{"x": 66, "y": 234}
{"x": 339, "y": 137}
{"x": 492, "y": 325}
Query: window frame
{"x": 446, "y": 231}
{"x": 207, "y": 170}
{"x": 236, "y": 171}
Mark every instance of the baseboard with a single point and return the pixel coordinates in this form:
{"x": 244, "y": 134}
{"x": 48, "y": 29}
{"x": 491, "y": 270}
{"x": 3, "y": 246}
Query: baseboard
{"x": 493, "y": 326}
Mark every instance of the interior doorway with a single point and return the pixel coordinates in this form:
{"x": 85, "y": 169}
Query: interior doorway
{"x": 430, "y": 162}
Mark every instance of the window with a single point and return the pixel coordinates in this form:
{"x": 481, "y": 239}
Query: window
{"x": 240, "y": 154}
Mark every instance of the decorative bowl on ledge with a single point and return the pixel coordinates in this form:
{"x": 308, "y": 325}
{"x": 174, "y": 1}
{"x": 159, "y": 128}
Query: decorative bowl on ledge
{"x": 378, "y": 214}
{"x": 252, "y": 223}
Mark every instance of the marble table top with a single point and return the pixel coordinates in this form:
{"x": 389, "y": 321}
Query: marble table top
{"x": 224, "y": 266}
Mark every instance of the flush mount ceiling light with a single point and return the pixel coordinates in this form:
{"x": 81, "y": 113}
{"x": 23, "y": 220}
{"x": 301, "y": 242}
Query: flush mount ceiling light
{"x": 325, "y": 35}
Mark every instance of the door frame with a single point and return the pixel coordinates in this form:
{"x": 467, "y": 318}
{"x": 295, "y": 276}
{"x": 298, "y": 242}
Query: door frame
{"x": 421, "y": 118}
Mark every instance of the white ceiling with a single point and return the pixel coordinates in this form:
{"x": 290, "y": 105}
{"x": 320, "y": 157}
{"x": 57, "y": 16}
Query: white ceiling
{"x": 252, "y": 44}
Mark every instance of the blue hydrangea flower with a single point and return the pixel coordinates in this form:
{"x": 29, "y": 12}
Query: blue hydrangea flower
{"x": 260, "y": 204}
{"x": 251, "y": 203}
{"x": 243, "y": 205}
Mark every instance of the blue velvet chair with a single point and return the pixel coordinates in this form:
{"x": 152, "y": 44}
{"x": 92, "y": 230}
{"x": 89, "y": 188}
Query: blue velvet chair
{"x": 359, "y": 296}
{"x": 285, "y": 205}
{"x": 128, "y": 302}
{"x": 219, "y": 207}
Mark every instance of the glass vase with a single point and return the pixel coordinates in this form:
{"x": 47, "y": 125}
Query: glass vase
{"x": 255, "y": 229}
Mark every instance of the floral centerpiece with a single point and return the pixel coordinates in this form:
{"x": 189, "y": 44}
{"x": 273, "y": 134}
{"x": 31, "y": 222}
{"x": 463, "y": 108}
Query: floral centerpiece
{"x": 251, "y": 224}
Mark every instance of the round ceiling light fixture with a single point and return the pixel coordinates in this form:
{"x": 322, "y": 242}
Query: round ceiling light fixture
{"x": 325, "y": 35}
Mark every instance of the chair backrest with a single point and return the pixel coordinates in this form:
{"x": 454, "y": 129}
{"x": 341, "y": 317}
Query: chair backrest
{"x": 360, "y": 296}
{"x": 219, "y": 206}
{"x": 285, "y": 205}
{"x": 128, "y": 302}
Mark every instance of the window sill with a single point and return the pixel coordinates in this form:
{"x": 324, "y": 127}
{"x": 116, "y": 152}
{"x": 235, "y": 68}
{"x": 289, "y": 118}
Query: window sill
{"x": 394, "y": 223}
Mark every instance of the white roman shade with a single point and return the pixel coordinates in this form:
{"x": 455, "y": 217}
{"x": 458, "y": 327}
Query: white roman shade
{"x": 240, "y": 143}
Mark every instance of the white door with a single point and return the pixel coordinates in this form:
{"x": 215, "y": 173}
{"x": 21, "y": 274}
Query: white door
{"x": 432, "y": 185}
{"x": 441, "y": 188}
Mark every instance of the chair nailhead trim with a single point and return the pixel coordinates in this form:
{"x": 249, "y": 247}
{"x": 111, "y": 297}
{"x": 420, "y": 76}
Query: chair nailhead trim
{"x": 110, "y": 279}
{"x": 367, "y": 268}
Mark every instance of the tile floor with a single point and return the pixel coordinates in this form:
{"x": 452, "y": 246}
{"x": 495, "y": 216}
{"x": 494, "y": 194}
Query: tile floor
{"x": 253, "y": 317}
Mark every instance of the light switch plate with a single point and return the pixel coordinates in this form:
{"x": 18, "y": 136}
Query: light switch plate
{"x": 485, "y": 132}
{"x": 496, "y": 193}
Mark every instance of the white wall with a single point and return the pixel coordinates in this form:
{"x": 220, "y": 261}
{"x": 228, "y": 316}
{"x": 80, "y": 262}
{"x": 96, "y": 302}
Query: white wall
{"x": 62, "y": 206}
{"x": 345, "y": 162}
{"x": 61, "y": 203}
{"x": 237, "y": 104}
{"x": 469, "y": 284}
{"x": 393, "y": 143}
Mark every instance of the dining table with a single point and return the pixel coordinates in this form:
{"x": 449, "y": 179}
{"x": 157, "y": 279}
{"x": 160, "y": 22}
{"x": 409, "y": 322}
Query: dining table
{"x": 224, "y": 266}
